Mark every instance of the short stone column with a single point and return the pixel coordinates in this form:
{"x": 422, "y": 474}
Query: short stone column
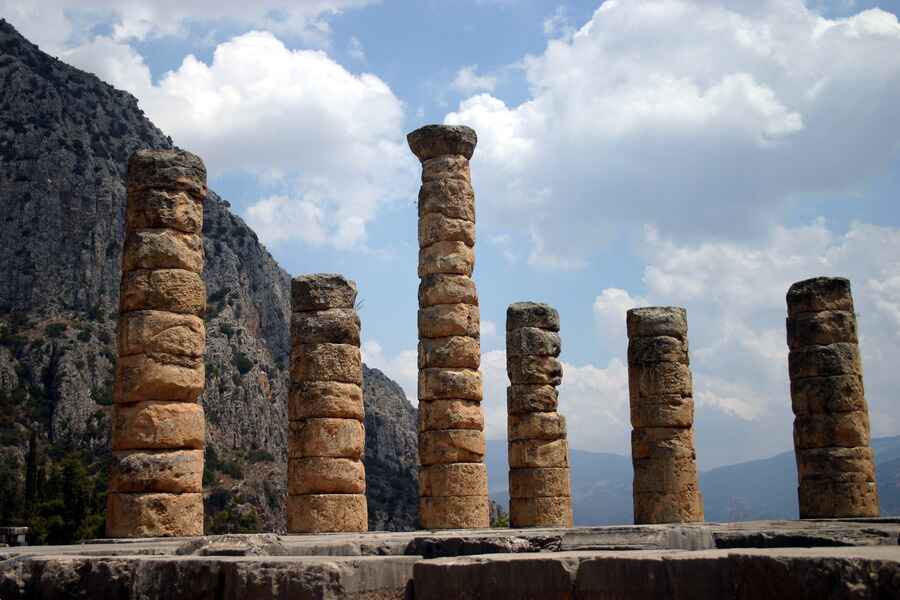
{"x": 539, "y": 483}
{"x": 452, "y": 474}
{"x": 835, "y": 465}
{"x": 156, "y": 475}
{"x": 666, "y": 489}
{"x": 326, "y": 477}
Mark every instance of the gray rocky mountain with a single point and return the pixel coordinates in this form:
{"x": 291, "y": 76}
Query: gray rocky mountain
{"x": 65, "y": 137}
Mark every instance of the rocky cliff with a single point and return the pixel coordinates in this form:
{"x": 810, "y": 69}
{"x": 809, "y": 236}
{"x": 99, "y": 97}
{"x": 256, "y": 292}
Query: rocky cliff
{"x": 65, "y": 137}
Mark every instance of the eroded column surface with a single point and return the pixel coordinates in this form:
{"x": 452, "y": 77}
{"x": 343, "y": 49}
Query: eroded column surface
{"x": 156, "y": 475}
{"x": 835, "y": 465}
{"x": 660, "y": 392}
{"x": 539, "y": 482}
{"x": 452, "y": 474}
{"x": 326, "y": 477}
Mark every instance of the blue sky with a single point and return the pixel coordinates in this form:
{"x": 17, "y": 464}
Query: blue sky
{"x": 692, "y": 152}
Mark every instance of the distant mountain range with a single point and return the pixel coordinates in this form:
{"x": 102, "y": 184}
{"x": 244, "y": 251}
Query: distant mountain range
{"x": 758, "y": 489}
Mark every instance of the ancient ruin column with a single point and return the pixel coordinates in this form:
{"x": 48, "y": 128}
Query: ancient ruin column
{"x": 539, "y": 484}
{"x": 660, "y": 392}
{"x": 326, "y": 477}
{"x": 156, "y": 476}
{"x": 835, "y": 466}
{"x": 452, "y": 474}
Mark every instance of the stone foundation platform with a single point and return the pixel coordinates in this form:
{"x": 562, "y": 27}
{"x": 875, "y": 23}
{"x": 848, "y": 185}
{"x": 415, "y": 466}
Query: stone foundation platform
{"x": 767, "y": 559}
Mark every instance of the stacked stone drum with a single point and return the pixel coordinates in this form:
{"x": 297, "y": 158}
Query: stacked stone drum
{"x": 835, "y": 466}
{"x": 660, "y": 392}
{"x": 156, "y": 475}
{"x": 326, "y": 477}
{"x": 452, "y": 474}
{"x": 539, "y": 483}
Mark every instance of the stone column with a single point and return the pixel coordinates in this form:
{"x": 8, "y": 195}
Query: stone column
{"x": 452, "y": 474}
{"x": 539, "y": 484}
{"x": 835, "y": 465}
{"x": 326, "y": 477}
{"x": 660, "y": 392}
{"x": 156, "y": 475}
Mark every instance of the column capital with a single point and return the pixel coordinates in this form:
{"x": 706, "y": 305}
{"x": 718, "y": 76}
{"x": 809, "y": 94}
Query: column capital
{"x": 435, "y": 140}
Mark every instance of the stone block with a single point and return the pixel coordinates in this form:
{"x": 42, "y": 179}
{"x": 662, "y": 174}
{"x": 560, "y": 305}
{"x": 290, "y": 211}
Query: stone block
{"x": 539, "y": 483}
{"x": 537, "y": 453}
{"x": 662, "y": 442}
{"x": 431, "y": 141}
{"x": 435, "y": 415}
{"x": 457, "y": 479}
{"x": 824, "y": 361}
{"x": 172, "y": 290}
{"x": 821, "y": 329}
{"x": 531, "y": 314}
{"x": 157, "y": 209}
{"x": 446, "y": 320}
{"x": 322, "y": 291}
{"x": 654, "y": 321}
{"x": 846, "y": 430}
{"x": 326, "y": 362}
{"x": 532, "y": 341}
{"x": 156, "y": 331}
{"x": 659, "y": 379}
{"x": 327, "y": 513}
{"x": 453, "y": 352}
{"x": 446, "y": 166}
{"x": 441, "y": 288}
{"x": 449, "y": 258}
{"x": 449, "y": 384}
{"x": 154, "y": 515}
{"x": 325, "y": 399}
{"x": 158, "y": 377}
{"x": 332, "y": 326}
{"x": 435, "y": 227}
{"x": 664, "y": 474}
{"x": 823, "y": 499}
{"x": 818, "y": 294}
{"x": 540, "y": 512}
{"x": 162, "y": 249}
{"x": 169, "y": 471}
{"x": 325, "y": 475}
{"x": 531, "y": 398}
{"x": 836, "y": 464}
{"x": 451, "y": 446}
{"x": 534, "y": 370}
{"x": 682, "y": 506}
{"x": 536, "y": 426}
{"x": 827, "y": 395}
{"x": 454, "y": 512}
{"x": 657, "y": 349}
{"x": 334, "y": 438}
{"x": 169, "y": 169}
{"x": 158, "y": 426}
{"x": 452, "y": 198}
{"x": 672, "y": 410}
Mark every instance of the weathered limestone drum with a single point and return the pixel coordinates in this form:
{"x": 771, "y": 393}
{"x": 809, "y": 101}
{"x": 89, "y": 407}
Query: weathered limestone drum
{"x": 326, "y": 476}
{"x": 835, "y": 465}
{"x": 660, "y": 390}
{"x": 156, "y": 475}
{"x": 539, "y": 483}
{"x": 452, "y": 474}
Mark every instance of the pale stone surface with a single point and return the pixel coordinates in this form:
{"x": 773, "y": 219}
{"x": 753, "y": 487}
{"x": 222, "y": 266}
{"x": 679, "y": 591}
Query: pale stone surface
{"x": 539, "y": 482}
{"x": 826, "y": 395}
{"x": 819, "y": 294}
{"x": 167, "y": 170}
{"x": 536, "y": 426}
{"x": 531, "y": 453}
{"x": 682, "y": 506}
{"x": 431, "y": 141}
{"x": 173, "y": 290}
{"x": 156, "y": 209}
{"x": 824, "y": 499}
{"x": 326, "y": 362}
{"x": 323, "y": 475}
{"x": 447, "y": 289}
{"x": 446, "y": 166}
{"x": 322, "y": 291}
{"x": 446, "y": 320}
{"x": 821, "y": 329}
{"x": 656, "y": 349}
{"x": 836, "y": 464}
{"x": 154, "y": 515}
{"x": 158, "y": 426}
{"x": 435, "y": 227}
{"x": 540, "y": 512}
{"x": 457, "y": 479}
{"x": 531, "y": 314}
{"x": 451, "y": 446}
{"x": 335, "y": 326}
{"x": 451, "y": 384}
{"x": 659, "y": 442}
{"x": 325, "y": 399}
{"x": 532, "y": 341}
{"x": 158, "y": 377}
{"x": 534, "y": 370}
{"x": 659, "y": 379}
{"x": 157, "y": 331}
{"x": 531, "y": 398}
{"x": 653, "y": 321}
{"x": 316, "y": 513}
{"x": 170, "y": 471}
{"x": 435, "y": 415}
{"x": 672, "y": 410}
{"x": 335, "y": 438}
{"x": 664, "y": 474}
{"x": 454, "y": 512}
{"x": 452, "y": 258}
{"x": 455, "y": 351}
{"x": 824, "y": 361}
{"x": 452, "y": 198}
{"x": 162, "y": 249}
{"x": 845, "y": 430}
